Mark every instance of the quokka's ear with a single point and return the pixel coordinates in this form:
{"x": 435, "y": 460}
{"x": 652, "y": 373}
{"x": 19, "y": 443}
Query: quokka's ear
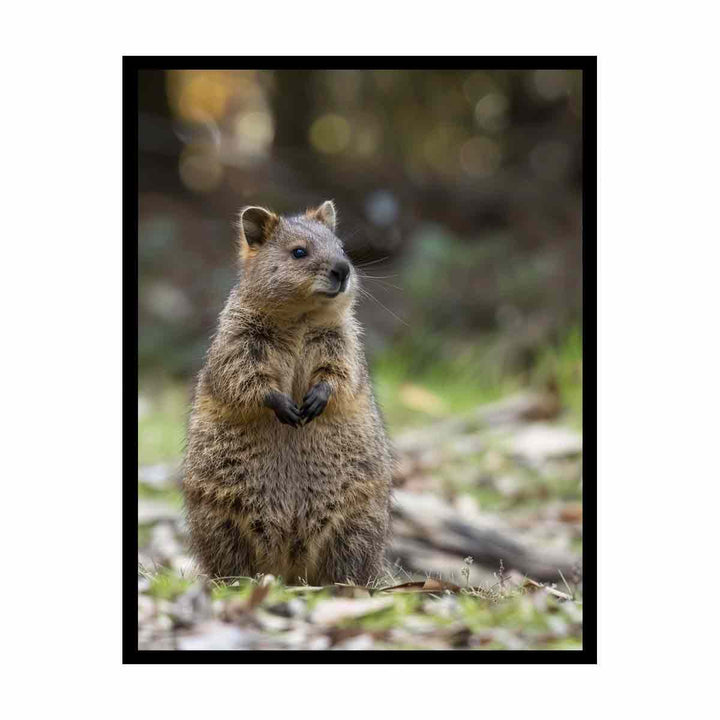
{"x": 326, "y": 214}
{"x": 256, "y": 224}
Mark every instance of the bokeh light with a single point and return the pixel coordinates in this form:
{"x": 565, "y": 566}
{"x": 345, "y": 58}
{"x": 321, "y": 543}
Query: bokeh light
{"x": 330, "y": 133}
{"x": 200, "y": 168}
{"x": 491, "y": 112}
{"x": 552, "y": 84}
{"x": 254, "y": 132}
{"x": 480, "y": 157}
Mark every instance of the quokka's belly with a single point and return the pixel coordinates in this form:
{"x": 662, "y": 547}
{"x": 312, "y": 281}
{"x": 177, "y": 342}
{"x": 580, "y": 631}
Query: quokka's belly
{"x": 281, "y": 496}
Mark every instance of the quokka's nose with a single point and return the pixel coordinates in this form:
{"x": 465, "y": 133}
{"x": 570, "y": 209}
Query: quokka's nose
{"x": 340, "y": 271}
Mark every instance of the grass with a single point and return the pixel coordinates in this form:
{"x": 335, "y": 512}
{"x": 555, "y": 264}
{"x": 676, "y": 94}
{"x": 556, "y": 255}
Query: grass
{"x": 166, "y": 584}
{"x": 457, "y": 379}
{"x": 162, "y": 409}
{"x": 564, "y": 362}
{"x": 502, "y": 617}
{"x": 448, "y": 387}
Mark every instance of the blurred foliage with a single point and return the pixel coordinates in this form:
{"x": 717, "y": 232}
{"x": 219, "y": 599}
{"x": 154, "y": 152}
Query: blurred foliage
{"x": 461, "y": 188}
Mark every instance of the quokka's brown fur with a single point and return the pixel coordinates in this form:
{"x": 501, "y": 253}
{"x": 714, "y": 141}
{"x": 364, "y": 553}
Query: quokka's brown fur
{"x": 261, "y": 495}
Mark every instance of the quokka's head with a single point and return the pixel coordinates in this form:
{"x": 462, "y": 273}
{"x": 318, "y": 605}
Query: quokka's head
{"x": 295, "y": 263}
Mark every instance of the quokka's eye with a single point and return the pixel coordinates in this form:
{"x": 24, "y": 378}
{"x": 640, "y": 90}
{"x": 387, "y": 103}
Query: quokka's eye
{"x": 299, "y": 253}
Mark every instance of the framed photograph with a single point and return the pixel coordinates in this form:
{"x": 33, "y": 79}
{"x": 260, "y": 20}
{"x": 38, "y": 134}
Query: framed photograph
{"x": 360, "y": 329}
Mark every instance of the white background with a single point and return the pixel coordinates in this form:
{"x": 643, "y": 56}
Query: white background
{"x": 658, "y": 350}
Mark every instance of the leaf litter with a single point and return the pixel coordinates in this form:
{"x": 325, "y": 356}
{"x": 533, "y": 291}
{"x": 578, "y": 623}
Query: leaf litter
{"x": 454, "y": 494}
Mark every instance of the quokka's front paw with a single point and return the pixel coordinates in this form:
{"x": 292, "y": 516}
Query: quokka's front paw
{"x": 315, "y": 402}
{"x": 284, "y": 407}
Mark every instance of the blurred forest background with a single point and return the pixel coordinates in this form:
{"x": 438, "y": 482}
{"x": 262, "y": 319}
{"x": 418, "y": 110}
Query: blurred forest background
{"x": 467, "y": 183}
{"x": 460, "y": 189}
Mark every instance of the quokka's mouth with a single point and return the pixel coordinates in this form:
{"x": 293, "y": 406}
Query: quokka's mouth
{"x": 340, "y": 288}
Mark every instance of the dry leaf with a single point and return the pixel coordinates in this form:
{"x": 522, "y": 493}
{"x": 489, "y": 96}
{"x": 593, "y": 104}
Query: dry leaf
{"x": 306, "y": 588}
{"x": 334, "y": 610}
{"x": 558, "y": 593}
{"x": 350, "y": 591}
{"x": 418, "y": 398}
{"x": 571, "y": 513}
{"x": 533, "y": 586}
{"x": 258, "y": 594}
{"x": 431, "y": 585}
{"x": 338, "y": 635}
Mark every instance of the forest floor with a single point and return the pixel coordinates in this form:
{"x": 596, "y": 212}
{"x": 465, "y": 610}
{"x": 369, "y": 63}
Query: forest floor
{"x": 476, "y": 471}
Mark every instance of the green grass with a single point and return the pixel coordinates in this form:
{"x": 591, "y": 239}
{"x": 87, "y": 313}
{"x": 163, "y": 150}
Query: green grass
{"x": 457, "y": 387}
{"x": 462, "y": 377}
{"x": 167, "y": 584}
{"x": 161, "y": 426}
{"x": 564, "y": 362}
{"x": 144, "y": 535}
{"x": 171, "y": 495}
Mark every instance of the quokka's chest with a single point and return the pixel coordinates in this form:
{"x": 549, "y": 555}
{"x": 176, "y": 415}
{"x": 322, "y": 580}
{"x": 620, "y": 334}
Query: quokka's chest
{"x": 306, "y": 354}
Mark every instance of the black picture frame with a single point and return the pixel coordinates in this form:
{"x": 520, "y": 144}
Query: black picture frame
{"x": 132, "y": 65}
